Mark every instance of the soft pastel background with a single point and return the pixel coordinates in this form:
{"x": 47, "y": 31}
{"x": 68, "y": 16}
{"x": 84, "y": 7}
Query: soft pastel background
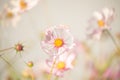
{"x": 74, "y": 13}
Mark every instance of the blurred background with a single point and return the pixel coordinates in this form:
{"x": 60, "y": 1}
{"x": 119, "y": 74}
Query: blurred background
{"x": 75, "y": 14}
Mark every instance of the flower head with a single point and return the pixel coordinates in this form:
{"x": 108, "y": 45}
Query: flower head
{"x": 24, "y": 5}
{"x": 62, "y": 63}
{"x": 19, "y": 47}
{"x": 56, "y": 40}
{"x": 10, "y": 17}
{"x": 104, "y": 17}
{"x": 100, "y": 21}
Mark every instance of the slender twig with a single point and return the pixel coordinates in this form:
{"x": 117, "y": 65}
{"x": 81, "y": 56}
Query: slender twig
{"x": 54, "y": 62}
{"x": 49, "y": 76}
{"x": 9, "y": 64}
{"x": 32, "y": 74}
{"x": 114, "y": 41}
{"x": 32, "y": 77}
{"x": 5, "y": 61}
{"x": 3, "y": 50}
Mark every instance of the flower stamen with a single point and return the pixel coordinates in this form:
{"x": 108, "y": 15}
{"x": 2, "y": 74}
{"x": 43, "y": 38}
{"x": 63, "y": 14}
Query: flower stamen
{"x": 23, "y": 4}
{"x": 9, "y": 15}
{"x": 58, "y": 42}
{"x": 60, "y": 65}
{"x": 101, "y": 23}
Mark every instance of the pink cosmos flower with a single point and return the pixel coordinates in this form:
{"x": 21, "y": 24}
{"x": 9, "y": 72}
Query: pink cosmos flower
{"x": 100, "y": 21}
{"x": 24, "y": 5}
{"x": 61, "y": 63}
{"x": 56, "y": 40}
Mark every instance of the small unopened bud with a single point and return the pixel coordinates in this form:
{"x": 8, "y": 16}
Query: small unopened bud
{"x": 19, "y": 47}
{"x": 30, "y": 64}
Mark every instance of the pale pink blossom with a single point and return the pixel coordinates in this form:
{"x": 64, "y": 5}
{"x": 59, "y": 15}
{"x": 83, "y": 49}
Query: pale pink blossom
{"x": 61, "y": 63}
{"x": 24, "y": 5}
{"x": 56, "y": 40}
{"x": 9, "y": 17}
{"x": 100, "y": 21}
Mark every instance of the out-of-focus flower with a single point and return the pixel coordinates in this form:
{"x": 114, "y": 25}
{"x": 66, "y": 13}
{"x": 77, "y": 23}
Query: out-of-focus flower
{"x": 26, "y": 74}
{"x": 101, "y": 21}
{"x": 62, "y": 63}
{"x": 19, "y": 47}
{"x": 109, "y": 74}
{"x": 8, "y": 78}
{"x": 9, "y": 17}
{"x": 56, "y": 40}
{"x": 104, "y": 18}
{"x": 24, "y": 5}
{"x": 29, "y": 74}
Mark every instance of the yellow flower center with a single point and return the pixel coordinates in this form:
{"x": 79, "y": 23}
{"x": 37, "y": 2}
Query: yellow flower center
{"x": 60, "y": 65}
{"x": 9, "y": 15}
{"x": 101, "y": 23}
{"x": 23, "y": 4}
{"x": 58, "y": 42}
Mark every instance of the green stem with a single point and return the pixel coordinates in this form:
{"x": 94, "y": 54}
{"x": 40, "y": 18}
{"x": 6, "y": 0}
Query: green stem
{"x": 32, "y": 74}
{"x": 3, "y": 50}
{"x": 114, "y": 41}
{"x": 108, "y": 62}
{"x": 5, "y": 61}
{"x": 50, "y": 75}
{"x": 10, "y": 66}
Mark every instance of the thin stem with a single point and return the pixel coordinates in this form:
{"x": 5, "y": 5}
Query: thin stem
{"x": 32, "y": 77}
{"x": 49, "y": 76}
{"x": 32, "y": 74}
{"x": 56, "y": 78}
{"x": 108, "y": 63}
{"x": 5, "y": 61}
{"x": 114, "y": 41}
{"x": 6, "y": 49}
{"x": 12, "y": 68}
